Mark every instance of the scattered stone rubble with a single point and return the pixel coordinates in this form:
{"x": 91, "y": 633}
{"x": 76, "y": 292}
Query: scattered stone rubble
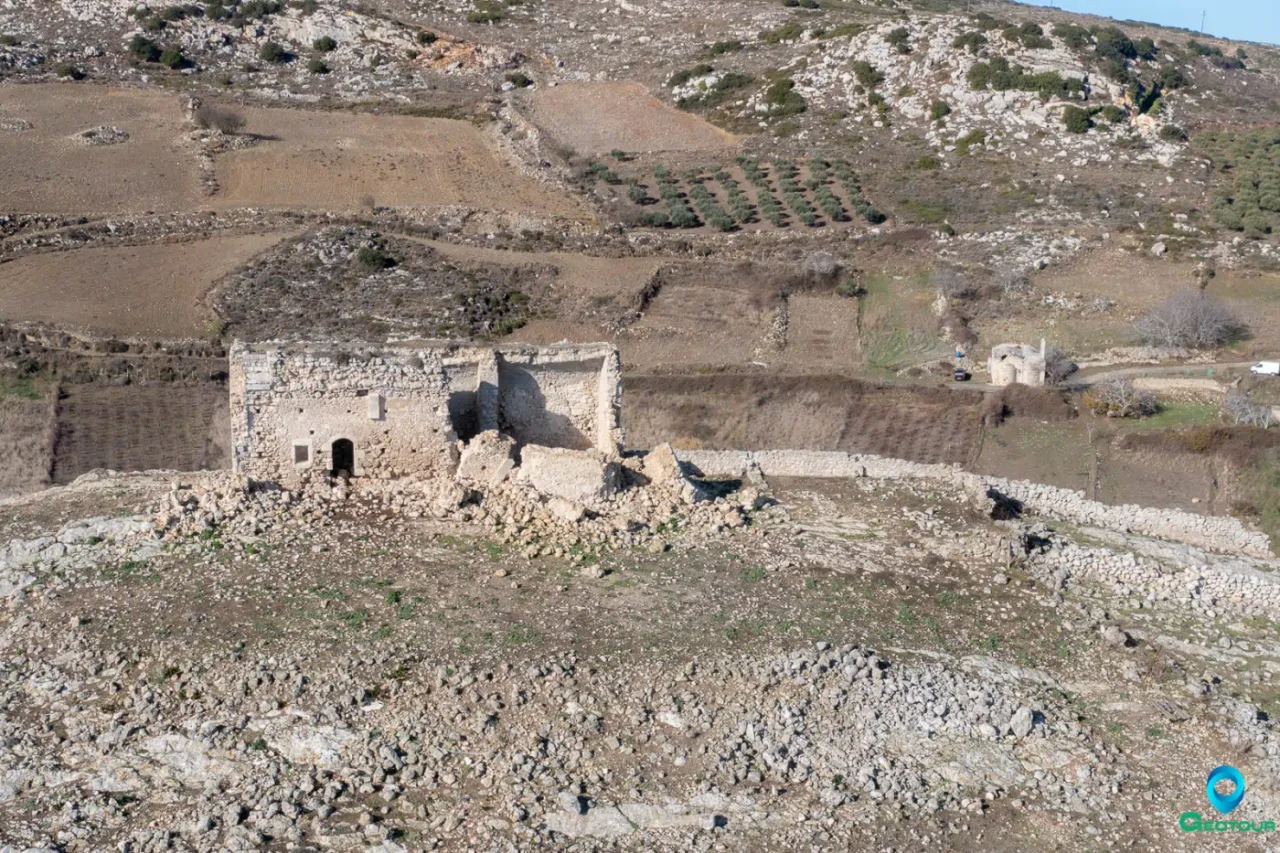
{"x": 231, "y": 754}
{"x": 1214, "y": 533}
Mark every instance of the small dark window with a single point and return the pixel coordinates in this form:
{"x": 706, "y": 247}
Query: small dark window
{"x": 301, "y": 454}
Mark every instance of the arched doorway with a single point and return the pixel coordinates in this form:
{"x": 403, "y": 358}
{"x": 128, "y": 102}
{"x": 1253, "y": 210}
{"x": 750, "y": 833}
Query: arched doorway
{"x": 344, "y": 458}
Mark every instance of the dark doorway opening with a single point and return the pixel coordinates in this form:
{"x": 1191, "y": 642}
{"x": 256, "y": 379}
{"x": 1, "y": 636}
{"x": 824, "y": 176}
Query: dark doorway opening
{"x": 344, "y": 458}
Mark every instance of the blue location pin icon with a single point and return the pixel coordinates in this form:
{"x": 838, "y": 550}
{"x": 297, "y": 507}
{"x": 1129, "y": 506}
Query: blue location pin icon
{"x": 1225, "y": 803}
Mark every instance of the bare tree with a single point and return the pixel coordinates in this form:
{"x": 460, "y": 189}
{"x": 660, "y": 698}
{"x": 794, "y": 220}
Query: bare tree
{"x": 1239, "y": 409}
{"x": 1057, "y": 365}
{"x": 953, "y": 283}
{"x": 1010, "y": 281}
{"x": 1119, "y": 399}
{"x": 1189, "y": 319}
{"x": 214, "y": 117}
{"x": 820, "y": 268}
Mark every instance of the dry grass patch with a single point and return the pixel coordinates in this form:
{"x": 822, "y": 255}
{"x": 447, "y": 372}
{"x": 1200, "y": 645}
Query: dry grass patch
{"x": 26, "y": 432}
{"x": 133, "y": 290}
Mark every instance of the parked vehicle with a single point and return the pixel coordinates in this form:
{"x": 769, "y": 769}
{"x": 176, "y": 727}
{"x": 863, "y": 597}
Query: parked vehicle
{"x": 1266, "y": 368}
{"x": 961, "y": 375}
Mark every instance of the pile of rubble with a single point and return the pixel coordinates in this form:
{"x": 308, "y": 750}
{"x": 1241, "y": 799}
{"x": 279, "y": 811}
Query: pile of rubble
{"x": 553, "y": 501}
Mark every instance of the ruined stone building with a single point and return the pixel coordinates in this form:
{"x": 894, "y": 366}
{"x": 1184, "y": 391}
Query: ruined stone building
{"x": 1020, "y": 363}
{"x": 396, "y": 410}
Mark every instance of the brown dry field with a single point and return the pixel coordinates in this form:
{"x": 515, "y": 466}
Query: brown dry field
{"x": 688, "y": 325}
{"x": 596, "y": 118}
{"x": 1136, "y": 283}
{"x": 822, "y": 334}
{"x": 759, "y": 412}
{"x": 134, "y": 291}
{"x": 183, "y": 427}
{"x": 43, "y": 170}
{"x": 341, "y": 161}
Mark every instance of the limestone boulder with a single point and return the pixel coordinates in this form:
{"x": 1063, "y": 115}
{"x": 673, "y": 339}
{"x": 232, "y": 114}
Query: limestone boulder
{"x": 487, "y": 459}
{"x": 581, "y": 476}
{"x": 661, "y": 465}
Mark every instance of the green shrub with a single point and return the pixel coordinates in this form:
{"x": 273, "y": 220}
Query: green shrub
{"x": 1145, "y": 47}
{"x": 254, "y": 10}
{"x": 1073, "y": 36}
{"x": 1076, "y": 120}
{"x": 1171, "y": 78}
{"x": 973, "y": 42}
{"x": 69, "y": 71}
{"x": 173, "y": 58}
{"x": 686, "y": 74}
{"x": 1202, "y": 49}
{"x": 486, "y": 13}
{"x": 637, "y": 193}
{"x": 867, "y": 74}
{"x": 1114, "y": 114}
{"x": 986, "y": 23}
{"x": 154, "y": 24}
{"x": 1000, "y": 75}
{"x": 324, "y": 44}
{"x": 939, "y": 110}
{"x": 7, "y": 40}
{"x": 782, "y": 98}
{"x": 844, "y": 31}
{"x": 970, "y": 139}
{"x": 789, "y": 31}
{"x": 273, "y": 52}
{"x": 144, "y": 48}
{"x": 374, "y": 258}
{"x": 427, "y": 37}
{"x": 720, "y": 48}
{"x": 518, "y": 79}
{"x": 1173, "y": 133}
{"x": 899, "y": 39}
{"x": 1226, "y": 63}
{"x": 655, "y": 219}
{"x": 927, "y": 163}
{"x": 317, "y": 66}
{"x": 979, "y": 76}
{"x": 1112, "y": 43}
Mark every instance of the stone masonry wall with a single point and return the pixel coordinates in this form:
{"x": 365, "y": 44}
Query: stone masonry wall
{"x": 1214, "y": 533}
{"x": 403, "y": 407}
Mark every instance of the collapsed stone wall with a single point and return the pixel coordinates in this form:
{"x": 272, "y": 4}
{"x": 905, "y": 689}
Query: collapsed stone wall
{"x": 1213, "y": 533}
{"x": 403, "y": 408}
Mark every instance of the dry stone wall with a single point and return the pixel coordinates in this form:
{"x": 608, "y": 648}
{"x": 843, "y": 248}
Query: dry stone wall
{"x": 395, "y": 411}
{"x": 1213, "y": 533}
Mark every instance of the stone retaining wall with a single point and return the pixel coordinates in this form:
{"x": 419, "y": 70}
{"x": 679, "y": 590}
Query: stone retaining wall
{"x": 1205, "y": 588}
{"x": 1213, "y": 533}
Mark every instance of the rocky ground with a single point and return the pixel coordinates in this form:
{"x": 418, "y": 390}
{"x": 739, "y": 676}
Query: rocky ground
{"x": 833, "y": 665}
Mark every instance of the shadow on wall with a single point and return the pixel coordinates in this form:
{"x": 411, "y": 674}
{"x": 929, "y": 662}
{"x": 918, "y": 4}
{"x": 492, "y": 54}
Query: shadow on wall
{"x": 528, "y": 416}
